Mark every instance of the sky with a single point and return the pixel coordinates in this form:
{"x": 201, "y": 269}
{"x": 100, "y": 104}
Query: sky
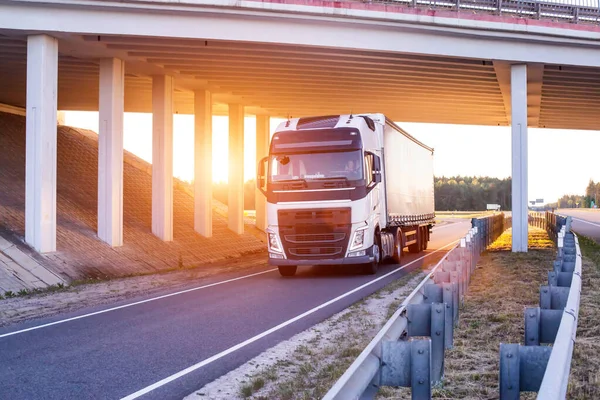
{"x": 560, "y": 161}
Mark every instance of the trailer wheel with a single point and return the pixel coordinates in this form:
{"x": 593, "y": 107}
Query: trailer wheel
{"x": 287, "y": 270}
{"x": 425, "y": 238}
{"x": 371, "y": 268}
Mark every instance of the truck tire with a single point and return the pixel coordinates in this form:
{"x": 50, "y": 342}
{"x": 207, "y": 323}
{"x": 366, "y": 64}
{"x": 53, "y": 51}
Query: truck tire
{"x": 397, "y": 247}
{"x": 287, "y": 270}
{"x": 371, "y": 268}
{"x": 425, "y": 238}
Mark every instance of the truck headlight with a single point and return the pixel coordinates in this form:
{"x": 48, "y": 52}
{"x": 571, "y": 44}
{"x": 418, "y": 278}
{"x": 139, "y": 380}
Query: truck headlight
{"x": 359, "y": 239}
{"x": 274, "y": 243}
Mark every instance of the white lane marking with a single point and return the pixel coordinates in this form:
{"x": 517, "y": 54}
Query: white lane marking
{"x": 587, "y": 222}
{"x": 136, "y": 303}
{"x": 238, "y": 346}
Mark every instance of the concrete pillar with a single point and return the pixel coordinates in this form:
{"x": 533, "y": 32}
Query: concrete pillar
{"x": 110, "y": 151}
{"x": 236, "y": 168}
{"x": 518, "y": 86}
{"x": 263, "y": 133}
{"x": 203, "y": 162}
{"x": 162, "y": 157}
{"x": 40, "y": 132}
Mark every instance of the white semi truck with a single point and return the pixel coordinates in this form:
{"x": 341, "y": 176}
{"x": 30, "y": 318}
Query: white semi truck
{"x": 345, "y": 189}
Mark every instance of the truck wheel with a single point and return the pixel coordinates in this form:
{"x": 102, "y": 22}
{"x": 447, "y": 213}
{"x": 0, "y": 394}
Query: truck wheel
{"x": 287, "y": 270}
{"x": 425, "y": 238}
{"x": 397, "y": 247}
{"x": 371, "y": 268}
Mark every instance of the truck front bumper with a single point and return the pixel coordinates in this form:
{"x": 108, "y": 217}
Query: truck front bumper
{"x": 338, "y": 261}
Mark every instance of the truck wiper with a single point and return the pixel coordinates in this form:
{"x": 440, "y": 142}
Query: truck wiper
{"x": 302, "y": 180}
{"x": 333, "y": 178}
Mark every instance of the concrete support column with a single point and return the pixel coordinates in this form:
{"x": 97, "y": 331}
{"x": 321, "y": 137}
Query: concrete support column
{"x": 162, "y": 157}
{"x": 110, "y": 151}
{"x": 40, "y": 132}
{"x": 236, "y": 168}
{"x": 203, "y": 162}
{"x": 518, "y": 85}
{"x": 263, "y": 133}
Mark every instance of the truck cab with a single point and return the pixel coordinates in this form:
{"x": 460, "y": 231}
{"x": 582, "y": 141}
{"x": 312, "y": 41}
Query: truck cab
{"x": 325, "y": 190}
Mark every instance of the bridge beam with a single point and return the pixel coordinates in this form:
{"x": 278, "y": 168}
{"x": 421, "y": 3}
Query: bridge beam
{"x": 263, "y": 134}
{"x": 162, "y": 157}
{"x": 203, "y": 162}
{"x": 518, "y": 85}
{"x": 110, "y": 151}
{"x": 40, "y": 133}
{"x": 236, "y": 168}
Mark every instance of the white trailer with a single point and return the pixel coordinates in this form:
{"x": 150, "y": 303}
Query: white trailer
{"x": 345, "y": 189}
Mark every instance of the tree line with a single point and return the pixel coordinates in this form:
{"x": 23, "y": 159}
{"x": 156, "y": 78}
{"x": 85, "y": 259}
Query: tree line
{"x": 469, "y": 193}
{"x": 591, "y": 198}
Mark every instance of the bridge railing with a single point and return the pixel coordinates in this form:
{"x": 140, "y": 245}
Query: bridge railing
{"x": 533, "y": 366}
{"x": 399, "y": 355}
{"x": 572, "y": 11}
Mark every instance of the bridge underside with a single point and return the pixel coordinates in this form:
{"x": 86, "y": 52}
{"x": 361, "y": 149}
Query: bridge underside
{"x": 282, "y": 80}
{"x": 274, "y": 59}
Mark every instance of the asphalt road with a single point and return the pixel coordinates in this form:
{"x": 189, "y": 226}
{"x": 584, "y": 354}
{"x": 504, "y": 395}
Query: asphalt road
{"x": 585, "y": 222}
{"x": 168, "y": 347}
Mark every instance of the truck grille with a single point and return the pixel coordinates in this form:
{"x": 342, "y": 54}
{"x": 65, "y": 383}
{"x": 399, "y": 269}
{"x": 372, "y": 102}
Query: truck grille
{"x": 315, "y": 251}
{"x": 316, "y": 237}
{"x": 315, "y": 233}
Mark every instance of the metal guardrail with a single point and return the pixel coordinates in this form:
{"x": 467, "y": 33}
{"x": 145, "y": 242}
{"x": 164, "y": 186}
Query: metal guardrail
{"x": 572, "y": 11}
{"x": 545, "y": 369}
{"x": 395, "y": 357}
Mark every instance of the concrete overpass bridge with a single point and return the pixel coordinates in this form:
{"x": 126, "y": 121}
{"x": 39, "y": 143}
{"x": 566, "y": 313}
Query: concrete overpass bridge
{"x": 538, "y": 66}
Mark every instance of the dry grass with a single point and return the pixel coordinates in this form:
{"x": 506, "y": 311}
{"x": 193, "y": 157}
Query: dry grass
{"x": 585, "y": 367}
{"x": 502, "y": 285}
{"x": 538, "y": 239}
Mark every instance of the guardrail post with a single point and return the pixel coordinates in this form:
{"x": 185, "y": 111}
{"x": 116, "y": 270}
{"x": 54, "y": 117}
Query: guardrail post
{"x": 456, "y": 294}
{"x": 532, "y": 326}
{"x": 509, "y": 372}
{"x": 553, "y": 297}
{"x": 514, "y": 360}
{"x": 437, "y": 341}
{"x": 407, "y": 364}
{"x": 420, "y": 356}
{"x": 562, "y": 279}
{"x": 428, "y": 320}
{"x": 448, "y": 298}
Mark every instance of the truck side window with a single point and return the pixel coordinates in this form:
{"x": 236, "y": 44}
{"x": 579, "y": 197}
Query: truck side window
{"x": 369, "y": 168}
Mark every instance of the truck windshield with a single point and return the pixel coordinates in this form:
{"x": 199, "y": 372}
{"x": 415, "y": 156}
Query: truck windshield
{"x": 345, "y": 165}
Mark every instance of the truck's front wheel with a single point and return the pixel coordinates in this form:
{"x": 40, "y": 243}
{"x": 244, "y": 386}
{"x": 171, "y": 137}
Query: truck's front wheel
{"x": 371, "y": 268}
{"x": 287, "y": 270}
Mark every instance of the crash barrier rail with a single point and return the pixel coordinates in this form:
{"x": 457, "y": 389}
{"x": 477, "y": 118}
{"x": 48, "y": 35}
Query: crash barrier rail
{"x": 395, "y": 357}
{"x": 538, "y": 219}
{"x": 534, "y": 366}
{"x": 571, "y": 11}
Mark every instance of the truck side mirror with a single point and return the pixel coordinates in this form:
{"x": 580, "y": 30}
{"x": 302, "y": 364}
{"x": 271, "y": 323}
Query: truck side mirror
{"x": 261, "y": 176}
{"x": 376, "y": 169}
{"x": 376, "y": 163}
